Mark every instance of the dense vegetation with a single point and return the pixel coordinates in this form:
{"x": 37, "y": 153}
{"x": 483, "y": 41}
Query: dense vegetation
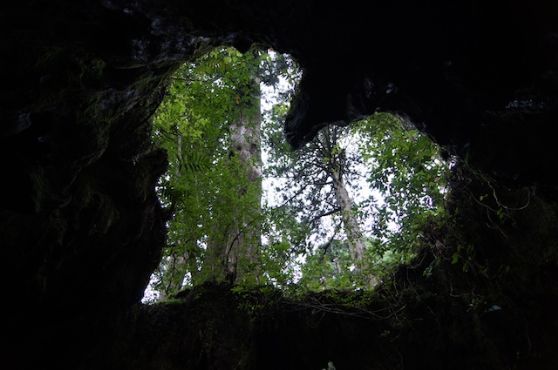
{"x": 339, "y": 213}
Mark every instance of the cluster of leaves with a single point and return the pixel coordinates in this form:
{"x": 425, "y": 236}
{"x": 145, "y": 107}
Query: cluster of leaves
{"x": 304, "y": 238}
{"x": 202, "y": 184}
{"x": 398, "y": 168}
{"x": 406, "y": 168}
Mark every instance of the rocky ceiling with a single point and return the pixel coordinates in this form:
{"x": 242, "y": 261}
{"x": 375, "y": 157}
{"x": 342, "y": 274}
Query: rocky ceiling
{"x": 82, "y": 228}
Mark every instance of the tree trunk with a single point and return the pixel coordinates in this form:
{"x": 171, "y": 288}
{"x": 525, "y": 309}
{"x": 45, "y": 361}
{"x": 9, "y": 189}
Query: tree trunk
{"x": 352, "y": 228}
{"x": 242, "y": 258}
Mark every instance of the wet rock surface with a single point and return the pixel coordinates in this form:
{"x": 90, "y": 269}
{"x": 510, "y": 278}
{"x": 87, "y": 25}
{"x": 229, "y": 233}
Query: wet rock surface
{"x": 82, "y": 228}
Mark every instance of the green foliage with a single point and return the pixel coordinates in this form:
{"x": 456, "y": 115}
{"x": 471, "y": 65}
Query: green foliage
{"x": 404, "y": 174}
{"x": 406, "y": 168}
{"x": 329, "y": 268}
{"x": 203, "y": 183}
{"x": 285, "y": 240}
{"x": 299, "y": 233}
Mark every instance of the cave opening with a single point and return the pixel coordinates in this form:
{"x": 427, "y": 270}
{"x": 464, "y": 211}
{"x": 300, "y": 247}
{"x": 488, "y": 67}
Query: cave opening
{"x": 342, "y": 212}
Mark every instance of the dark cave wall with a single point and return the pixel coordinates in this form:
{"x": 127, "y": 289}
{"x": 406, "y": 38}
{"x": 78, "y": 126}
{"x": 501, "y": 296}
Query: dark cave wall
{"x": 481, "y": 294}
{"x": 81, "y": 226}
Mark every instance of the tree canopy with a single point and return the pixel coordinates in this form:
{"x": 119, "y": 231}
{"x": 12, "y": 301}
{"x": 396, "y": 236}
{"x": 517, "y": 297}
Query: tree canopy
{"x": 247, "y": 209}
